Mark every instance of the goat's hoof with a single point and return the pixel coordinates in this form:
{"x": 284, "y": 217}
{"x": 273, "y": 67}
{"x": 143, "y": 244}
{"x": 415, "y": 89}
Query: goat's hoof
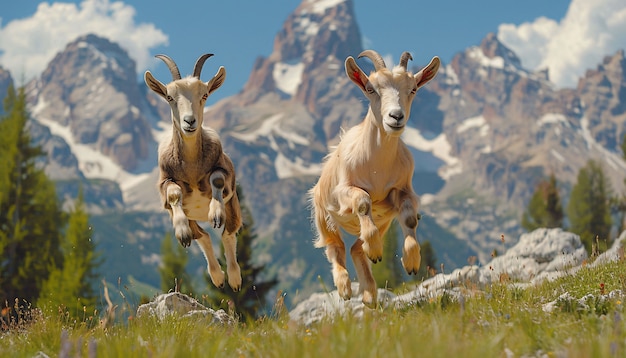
{"x": 217, "y": 277}
{"x": 411, "y": 256}
{"x": 375, "y": 255}
{"x": 184, "y": 236}
{"x": 217, "y": 217}
{"x": 411, "y": 266}
{"x": 370, "y": 299}
{"x": 344, "y": 287}
{"x": 218, "y": 222}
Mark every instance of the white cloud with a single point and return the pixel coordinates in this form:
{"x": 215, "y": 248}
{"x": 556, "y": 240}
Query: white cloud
{"x": 590, "y": 30}
{"x": 28, "y": 45}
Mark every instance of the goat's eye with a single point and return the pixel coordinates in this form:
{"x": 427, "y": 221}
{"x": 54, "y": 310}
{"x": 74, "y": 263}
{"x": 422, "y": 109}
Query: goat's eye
{"x": 205, "y": 96}
{"x": 169, "y": 98}
{"x": 414, "y": 90}
{"x": 370, "y": 89}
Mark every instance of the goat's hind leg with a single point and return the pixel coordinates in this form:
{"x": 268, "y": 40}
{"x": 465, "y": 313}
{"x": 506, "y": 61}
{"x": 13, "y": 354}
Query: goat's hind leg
{"x": 217, "y": 211}
{"x": 229, "y": 240}
{"x": 204, "y": 241}
{"x": 336, "y": 255}
{"x": 174, "y": 197}
{"x": 367, "y": 284}
{"x": 230, "y": 252}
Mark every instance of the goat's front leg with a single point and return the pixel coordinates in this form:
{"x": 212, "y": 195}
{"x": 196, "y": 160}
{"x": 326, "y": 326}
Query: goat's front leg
{"x": 408, "y": 219}
{"x": 216, "y": 206}
{"x": 356, "y": 200}
{"x": 174, "y": 197}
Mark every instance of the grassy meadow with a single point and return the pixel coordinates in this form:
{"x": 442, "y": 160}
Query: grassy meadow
{"x": 502, "y": 320}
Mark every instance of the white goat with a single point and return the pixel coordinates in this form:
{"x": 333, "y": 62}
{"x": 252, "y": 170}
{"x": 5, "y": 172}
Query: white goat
{"x": 197, "y": 179}
{"x": 366, "y": 180}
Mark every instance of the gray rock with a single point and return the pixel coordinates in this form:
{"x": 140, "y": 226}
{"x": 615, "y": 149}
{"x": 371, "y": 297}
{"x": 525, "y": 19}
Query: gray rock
{"x": 176, "y": 303}
{"x": 327, "y": 305}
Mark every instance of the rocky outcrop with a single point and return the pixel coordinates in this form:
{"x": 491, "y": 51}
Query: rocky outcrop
{"x": 540, "y": 255}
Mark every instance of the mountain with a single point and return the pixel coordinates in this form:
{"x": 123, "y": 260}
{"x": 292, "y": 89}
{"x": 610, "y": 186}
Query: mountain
{"x": 508, "y": 128}
{"x": 482, "y": 133}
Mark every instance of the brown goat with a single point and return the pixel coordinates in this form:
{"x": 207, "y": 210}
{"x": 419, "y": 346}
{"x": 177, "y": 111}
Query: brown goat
{"x": 366, "y": 181}
{"x": 197, "y": 179}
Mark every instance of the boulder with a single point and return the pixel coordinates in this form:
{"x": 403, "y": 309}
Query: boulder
{"x": 176, "y": 303}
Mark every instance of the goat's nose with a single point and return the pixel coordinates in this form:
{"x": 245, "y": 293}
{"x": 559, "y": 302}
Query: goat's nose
{"x": 396, "y": 114}
{"x": 189, "y": 119}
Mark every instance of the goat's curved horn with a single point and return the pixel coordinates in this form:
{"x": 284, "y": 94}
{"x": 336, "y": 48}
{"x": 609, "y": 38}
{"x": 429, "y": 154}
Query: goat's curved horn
{"x": 378, "y": 61}
{"x": 404, "y": 59}
{"x": 171, "y": 65}
{"x": 198, "y": 67}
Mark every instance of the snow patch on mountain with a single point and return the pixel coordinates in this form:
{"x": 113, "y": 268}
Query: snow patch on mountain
{"x": 288, "y": 76}
{"x": 474, "y": 122}
{"x": 320, "y": 6}
{"x": 286, "y": 168}
{"x": 551, "y": 118}
{"x": 438, "y": 146}
{"x": 269, "y": 128}
{"x": 610, "y": 158}
{"x": 91, "y": 162}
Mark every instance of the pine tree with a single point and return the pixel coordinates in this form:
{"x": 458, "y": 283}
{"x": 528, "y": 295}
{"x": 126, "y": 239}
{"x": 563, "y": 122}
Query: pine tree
{"x": 172, "y": 271}
{"x": 30, "y": 216}
{"x": 618, "y": 203}
{"x": 71, "y": 286}
{"x": 544, "y": 209}
{"x": 389, "y": 273}
{"x": 429, "y": 261}
{"x": 253, "y": 293}
{"x": 588, "y": 208}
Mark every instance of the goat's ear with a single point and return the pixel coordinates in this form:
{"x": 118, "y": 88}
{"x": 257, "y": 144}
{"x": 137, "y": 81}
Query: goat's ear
{"x": 217, "y": 80}
{"x": 155, "y": 85}
{"x": 427, "y": 73}
{"x": 355, "y": 73}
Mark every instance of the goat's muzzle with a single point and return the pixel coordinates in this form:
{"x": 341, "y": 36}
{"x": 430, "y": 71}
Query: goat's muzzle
{"x": 394, "y": 122}
{"x": 189, "y": 124}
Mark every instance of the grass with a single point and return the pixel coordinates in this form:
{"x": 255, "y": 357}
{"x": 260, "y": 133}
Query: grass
{"x": 502, "y": 320}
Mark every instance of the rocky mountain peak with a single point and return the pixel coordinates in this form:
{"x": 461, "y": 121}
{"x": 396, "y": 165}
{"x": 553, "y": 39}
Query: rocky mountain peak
{"x": 603, "y": 92}
{"x": 313, "y": 42}
{"x": 493, "y": 48}
{"x": 91, "y": 88}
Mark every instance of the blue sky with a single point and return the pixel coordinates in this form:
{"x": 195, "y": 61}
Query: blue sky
{"x": 567, "y": 36}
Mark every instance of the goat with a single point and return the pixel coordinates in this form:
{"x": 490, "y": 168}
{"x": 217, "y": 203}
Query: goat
{"x": 197, "y": 179}
{"x": 365, "y": 181}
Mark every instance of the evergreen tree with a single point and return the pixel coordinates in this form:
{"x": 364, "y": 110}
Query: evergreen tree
{"x": 30, "y": 216}
{"x": 72, "y": 285}
{"x": 544, "y": 209}
{"x": 429, "y": 261}
{"x": 588, "y": 208}
{"x": 618, "y": 203}
{"x": 253, "y": 293}
{"x": 172, "y": 270}
{"x": 389, "y": 273}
